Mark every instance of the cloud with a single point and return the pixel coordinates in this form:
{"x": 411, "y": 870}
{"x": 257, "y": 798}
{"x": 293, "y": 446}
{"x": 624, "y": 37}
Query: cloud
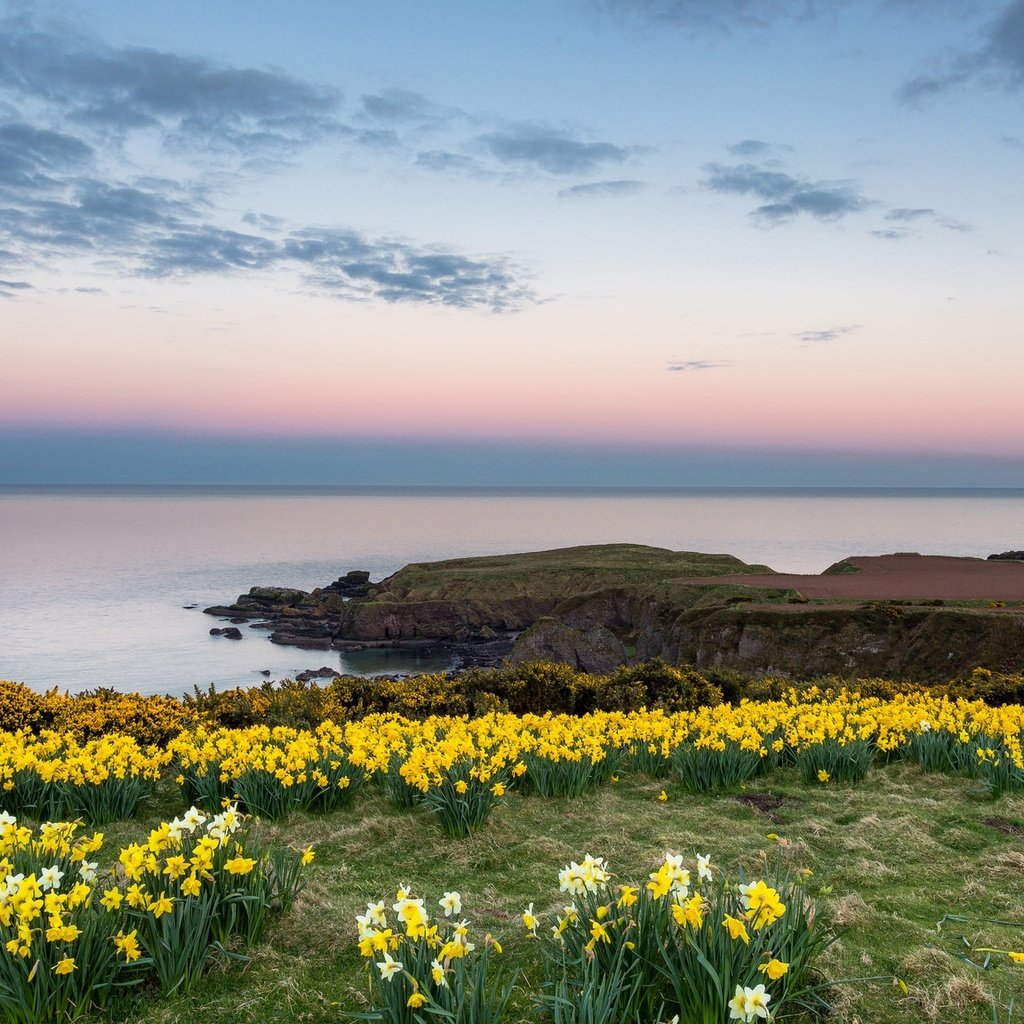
{"x": 908, "y": 216}
{"x": 694, "y": 365}
{"x": 192, "y": 101}
{"x": 264, "y": 221}
{"x": 785, "y": 195}
{"x": 164, "y": 231}
{"x": 998, "y": 60}
{"x": 714, "y": 14}
{"x": 350, "y": 265}
{"x": 603, "y": 189}
{"x": 30, "y": 156}
{"x": 145, "y": 234}
{"x": 550, "y": 149}
{"x": 405, "y": 107}
{"x": 904, "y": 213}
{"x": 444, "y": 161}
{"x": 82, "y": 100}
{"x": 891, "y": 234}
{"x": 753, "y": 147}
{"x": 828, "y": 334}
{"x": 8, "y": 289}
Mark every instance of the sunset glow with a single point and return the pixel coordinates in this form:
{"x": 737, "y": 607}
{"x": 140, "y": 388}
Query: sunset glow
{"x": 664, "y": 227}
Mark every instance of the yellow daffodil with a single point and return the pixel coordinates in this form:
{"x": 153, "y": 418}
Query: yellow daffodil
{"x": 775, "y": 969}
{"x": 736, "y": 929}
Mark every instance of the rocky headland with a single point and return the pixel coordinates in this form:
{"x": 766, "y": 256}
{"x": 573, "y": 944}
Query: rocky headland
{"x": 600, "y": 606}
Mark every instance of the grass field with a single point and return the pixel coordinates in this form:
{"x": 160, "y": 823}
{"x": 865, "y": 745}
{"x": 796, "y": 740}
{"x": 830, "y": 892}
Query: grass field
{"x": 890, "y": 857}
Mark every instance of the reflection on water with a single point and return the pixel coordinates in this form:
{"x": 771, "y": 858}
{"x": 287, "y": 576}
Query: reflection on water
{"x": 391, "y": 661}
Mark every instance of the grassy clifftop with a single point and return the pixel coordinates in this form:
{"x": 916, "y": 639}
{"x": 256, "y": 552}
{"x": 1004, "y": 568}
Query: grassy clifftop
{"x": 553, "y": 575}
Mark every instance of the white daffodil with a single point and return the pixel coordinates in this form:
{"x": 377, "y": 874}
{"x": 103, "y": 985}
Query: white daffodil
{"x": 50, "y": 878}
{"x": 450, "y": 903}
{"x": 389, "y": 967}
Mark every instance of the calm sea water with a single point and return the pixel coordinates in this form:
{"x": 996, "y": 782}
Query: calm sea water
{"x": 95, "y": 580}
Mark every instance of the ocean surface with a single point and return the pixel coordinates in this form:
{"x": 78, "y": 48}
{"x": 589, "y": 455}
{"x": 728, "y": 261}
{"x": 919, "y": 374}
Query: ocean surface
{"x": 106, "y": 586}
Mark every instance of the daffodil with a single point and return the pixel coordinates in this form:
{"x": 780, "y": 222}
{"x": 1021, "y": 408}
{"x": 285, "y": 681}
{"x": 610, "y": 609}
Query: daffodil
{"x": 775, "y": 969}
{"x": 389, "y": 967}
{"x": 451, "y": 903}
{"x": 50, "y": 878}
{"x": 530, "y": 920}
{"x": 704, "y": 866}
{"x": 736, "y": 929}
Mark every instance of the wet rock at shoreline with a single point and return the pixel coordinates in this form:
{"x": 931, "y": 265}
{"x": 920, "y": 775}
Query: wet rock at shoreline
{"x": 228, "y": 632}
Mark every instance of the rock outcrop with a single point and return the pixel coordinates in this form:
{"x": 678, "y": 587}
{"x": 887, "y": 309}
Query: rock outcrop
{"x": 600, "y": 606}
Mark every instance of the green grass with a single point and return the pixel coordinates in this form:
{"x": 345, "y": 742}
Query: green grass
{"x": 558, "y": 573}
{"x": 890, "y": 857}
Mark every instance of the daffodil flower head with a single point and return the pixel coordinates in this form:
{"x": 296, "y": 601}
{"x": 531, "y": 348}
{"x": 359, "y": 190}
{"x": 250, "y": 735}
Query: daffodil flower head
{"x": 530, "y": 920}
{"x": 451, "y": 903}
{"x": 389, "y": 967}
{"x": 749, "y": 1003}
{"x": 704, "y": 866}
{"x": 50, "y": 878}
{"x": 775, "y": 969}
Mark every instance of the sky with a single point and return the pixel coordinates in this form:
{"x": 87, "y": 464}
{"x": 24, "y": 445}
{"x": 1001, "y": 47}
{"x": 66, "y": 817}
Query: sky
{"x": 579, "y": 242}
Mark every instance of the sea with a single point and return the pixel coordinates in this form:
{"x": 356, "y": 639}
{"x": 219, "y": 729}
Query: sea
{"x": 105, "y": 586}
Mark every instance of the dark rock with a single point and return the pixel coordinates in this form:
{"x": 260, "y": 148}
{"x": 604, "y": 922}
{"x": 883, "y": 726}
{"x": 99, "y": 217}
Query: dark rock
{"x": 595, "y": 650}
{"x": 355, "y": 583}
{"x": 1008, "y": 556}
{"x": 264, "y": 671}
{"x": 318, "y": 673}
{"x": 228, "y": 632}
{"x": 189, "y": 607}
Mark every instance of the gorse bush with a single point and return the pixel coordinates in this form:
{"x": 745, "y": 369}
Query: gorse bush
{"x": 93, "y": 714}
{"x": 539, "y": 687}
{"x": 530, "y": 688}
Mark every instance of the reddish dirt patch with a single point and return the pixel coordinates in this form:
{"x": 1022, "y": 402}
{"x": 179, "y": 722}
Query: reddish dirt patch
{"x": 766, "y": 803}
{"x": 896, "y": 577}
{"x": 1004, "y": 825}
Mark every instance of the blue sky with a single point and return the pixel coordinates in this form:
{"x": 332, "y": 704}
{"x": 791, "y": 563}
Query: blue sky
{"x": 598, "y": 241}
